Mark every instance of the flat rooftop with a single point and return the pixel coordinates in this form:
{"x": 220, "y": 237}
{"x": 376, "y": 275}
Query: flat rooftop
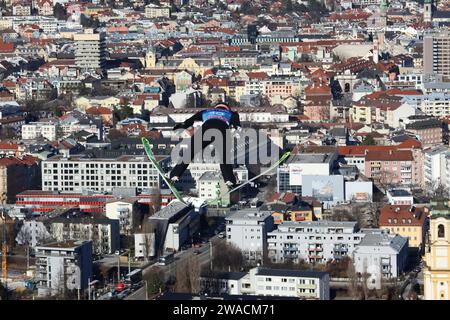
{"x": 169, "y": 211}
{"x": 68, "y": 244}
{"x": 311, "y": 158}
{"x": 250, "y": 214}
{"x": 320, "y": 224}
{"x": 400, "y": 193}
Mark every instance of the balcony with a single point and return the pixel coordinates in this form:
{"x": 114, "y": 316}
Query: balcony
{"x": 306, "y": 286}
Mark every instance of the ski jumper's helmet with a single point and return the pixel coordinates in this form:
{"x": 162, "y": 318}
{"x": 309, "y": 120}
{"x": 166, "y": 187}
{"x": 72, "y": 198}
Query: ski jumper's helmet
{"x": 222, "y": 106}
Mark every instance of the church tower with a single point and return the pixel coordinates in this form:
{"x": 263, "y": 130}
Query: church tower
{"x": 384, "y": 5}
{"x": 150, "y": 59}
{"x": 436, "y": 272}
{"x": 428, "y": 11}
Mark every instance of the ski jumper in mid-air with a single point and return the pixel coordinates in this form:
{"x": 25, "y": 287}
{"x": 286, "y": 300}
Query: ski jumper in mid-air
{"x": 220, "y": 118}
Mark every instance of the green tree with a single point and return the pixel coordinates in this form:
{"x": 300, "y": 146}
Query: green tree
{"x": 368, "y": 141}
{"x": 123, "y": 112}
{"x": 59, "y": 12}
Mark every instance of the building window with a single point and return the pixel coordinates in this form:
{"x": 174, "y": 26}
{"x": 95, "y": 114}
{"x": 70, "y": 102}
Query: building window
{"x": 441, "y": 231}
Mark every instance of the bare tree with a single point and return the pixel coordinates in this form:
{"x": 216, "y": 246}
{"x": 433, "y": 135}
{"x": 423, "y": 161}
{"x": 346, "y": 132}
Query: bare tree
{"x": 187, "y": 276}
{"x": 227, "y": 257}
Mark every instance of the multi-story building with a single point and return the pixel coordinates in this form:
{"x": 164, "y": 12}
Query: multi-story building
{"x": 34, "y": 130}
{"x": 18, "y": 174}
{"x": 289, "y": 176}
{"x": 380, "y": 254}
{"x": 21, "y": 8}
{"x": 63, "y": 266}
{"x": 112, "y": 205}
{"x": 313, "y": 241}
{"x": 174, "y": 225}
{"x": 127, "y": 212}
{"x": 247, "y": 229}
{"x": 408, "y": 221}
{"x": 310, "y": 285}
{"x": 82, "y": 172}
{"x": 153, "y": 11}
{"x": 436, "y": 53}
{"x": 239, "y": 59}
{"x": 44, "y": 7}
{"x": 392, "y": 167}
{"x": 103, "y": 232}
{"x": 436, "y": 273}
{"x": 282, "y": 87}
{"x": 434, "y": 167}
{"x": 212, "y": 187}
{"x": 90, "y": 50}
{"x": 428, "y": 131}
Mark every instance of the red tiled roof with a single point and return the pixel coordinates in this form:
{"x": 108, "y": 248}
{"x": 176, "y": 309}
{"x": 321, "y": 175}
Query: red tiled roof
{"x": 98, "y": 110}
{"x": 6, "y": 47}
{"x": 389, "y": 155}
{"x": 402, "y": 213}
{"x": 257, "y": 75}
{"x": 8, "y": 146}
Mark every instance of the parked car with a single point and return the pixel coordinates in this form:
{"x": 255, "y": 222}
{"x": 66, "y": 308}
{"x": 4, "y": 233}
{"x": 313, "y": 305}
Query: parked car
{"x": 124, "y": 294}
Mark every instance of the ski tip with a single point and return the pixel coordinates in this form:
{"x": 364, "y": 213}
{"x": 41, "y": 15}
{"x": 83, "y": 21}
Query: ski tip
{"x": 144, "y": 140}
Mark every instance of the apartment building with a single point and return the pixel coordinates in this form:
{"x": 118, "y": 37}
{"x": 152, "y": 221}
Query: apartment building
{"x": 22, "y": 8}
{"x": 282, "y": 87}
{"x": 434, "y": 167}
{"x": 247, "y": 229}
{"x": 90, "y": 50}
{"x": 103, "y": 232}
{"x": 436, "y": 53}
{"x": 239, "y": 59}
{"x": 408, "y": 221}
{"x": 313, "y": 241}
{"x": 44, "y": 7}
{"x": 392, "y": 167}
{"x": 380, "y": 254}
{"x": 254, "y": 84}
{"x": 62, "y": 266}
{"x": 35, "y": 130}
{"x": 128, "y": 212}
{"x": 212, "y": 187}
{"x": 153, "y": 11}
{"x": 18, "y": 174}
{"x": 306, "y": 285}
{"x": 428, "y": 131}
{"x": 83, "y": 172}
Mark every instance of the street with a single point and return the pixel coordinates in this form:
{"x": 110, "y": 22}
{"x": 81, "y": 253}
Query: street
{"x": 203, "y": 258}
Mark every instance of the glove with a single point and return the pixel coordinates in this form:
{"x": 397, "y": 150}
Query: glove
{"x": 236, "y": 132}
{"x": 177, "y": 126}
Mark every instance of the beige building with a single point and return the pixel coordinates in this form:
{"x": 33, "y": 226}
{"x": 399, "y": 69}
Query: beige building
{"x": 90, "y": 50}
{"x": 437, "y": 255}
{"x": 153, "y": 11}
{"x": 436, "y": 53}
{"x": 103, "y": 232}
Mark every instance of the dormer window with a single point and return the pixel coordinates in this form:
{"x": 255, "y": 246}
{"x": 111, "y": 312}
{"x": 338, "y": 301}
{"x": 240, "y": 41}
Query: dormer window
{"x": 395, "y": 220}
{"x": 409, "y": 221}
{"x": 390, "y": 220}
{"x": 403, "y": 220}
